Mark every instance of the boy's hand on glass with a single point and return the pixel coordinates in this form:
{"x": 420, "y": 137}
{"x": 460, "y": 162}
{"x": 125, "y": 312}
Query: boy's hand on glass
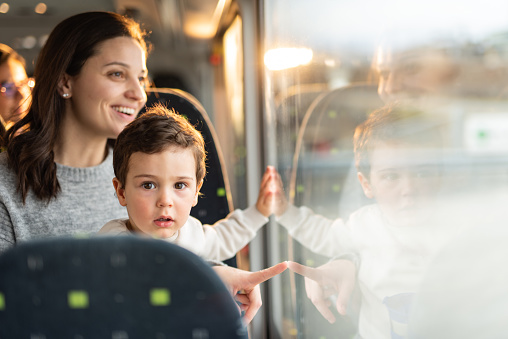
{"x": 338, "y": 277}
{"x": 271, "y": 198}
{"x": 244, "y": 285}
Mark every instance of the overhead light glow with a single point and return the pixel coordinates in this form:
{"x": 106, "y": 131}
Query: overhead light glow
{"x": 41, "y": 8}
{"x": 4, "y": 7}
{"x": 200, "y": 25}
{"x": 284, "y": 58}
{"x": 29, "y": 42}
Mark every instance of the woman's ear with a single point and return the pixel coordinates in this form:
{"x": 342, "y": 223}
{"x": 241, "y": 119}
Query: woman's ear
{"x": 367, "y": 188}
{"x": 198, "y": 187}
{"x": 120, "y": 191}
{"x": 65, "y": 86}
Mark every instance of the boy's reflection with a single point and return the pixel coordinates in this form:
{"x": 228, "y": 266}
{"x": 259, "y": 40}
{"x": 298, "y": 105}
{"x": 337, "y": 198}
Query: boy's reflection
{"x": 398, "y": 157}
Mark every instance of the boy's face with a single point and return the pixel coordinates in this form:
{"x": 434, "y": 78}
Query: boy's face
{"x": 404, "y": 180}
{"x": 159, "y": 191}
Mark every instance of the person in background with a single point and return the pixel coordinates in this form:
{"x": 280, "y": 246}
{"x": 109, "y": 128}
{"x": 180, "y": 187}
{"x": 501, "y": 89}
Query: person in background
{"x": 14, "y": 88}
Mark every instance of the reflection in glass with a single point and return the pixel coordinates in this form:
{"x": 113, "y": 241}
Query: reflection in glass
{"x": 453, "y": 66}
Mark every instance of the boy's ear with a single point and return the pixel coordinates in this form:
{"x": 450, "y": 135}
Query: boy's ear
{"x": 367, "y": 189}
{"x": 65, "y": 85}
{"x": 198, "y": 187}
{"x": 120, "y": 192}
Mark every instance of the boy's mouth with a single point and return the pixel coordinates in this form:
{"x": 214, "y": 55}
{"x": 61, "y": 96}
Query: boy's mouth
{"x": 164, "y": 222}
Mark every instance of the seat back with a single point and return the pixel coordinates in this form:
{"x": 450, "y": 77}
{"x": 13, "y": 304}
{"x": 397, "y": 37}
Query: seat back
{"x": 215, "y": 203}
{"x": 112, "y": 287}
{"x": 323, "y": 174}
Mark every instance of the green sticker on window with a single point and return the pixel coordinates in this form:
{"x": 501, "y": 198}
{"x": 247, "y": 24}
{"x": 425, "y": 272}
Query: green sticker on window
{"x": 2, "y": 302}
{"x": 77, "y": 299}
{"x": 160, "y": 297}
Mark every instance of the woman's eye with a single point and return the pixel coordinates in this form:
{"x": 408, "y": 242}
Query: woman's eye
{"x": 144, "y": 83}
{"x": 116, "y": 74}
{"x": 148, "y": 185}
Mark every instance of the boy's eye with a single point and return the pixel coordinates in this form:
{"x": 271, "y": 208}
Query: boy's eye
{"x": 148, "y": 185}
{"x": 391, "y": 176}
{"x": 180, "y": 185}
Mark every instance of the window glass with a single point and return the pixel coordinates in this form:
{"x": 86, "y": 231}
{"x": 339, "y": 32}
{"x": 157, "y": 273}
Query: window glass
{"x": 430, "y": 164}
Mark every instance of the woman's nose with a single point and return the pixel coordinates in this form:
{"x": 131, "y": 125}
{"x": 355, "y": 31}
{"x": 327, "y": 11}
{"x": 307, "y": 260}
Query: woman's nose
{"x": 136, "y": 91}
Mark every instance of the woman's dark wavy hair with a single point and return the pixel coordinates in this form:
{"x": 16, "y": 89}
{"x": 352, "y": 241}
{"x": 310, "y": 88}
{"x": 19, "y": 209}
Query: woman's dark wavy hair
{"x": 71, "y": 43}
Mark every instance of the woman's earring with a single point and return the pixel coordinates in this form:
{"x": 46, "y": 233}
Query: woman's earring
{"x": 65, "y": 95}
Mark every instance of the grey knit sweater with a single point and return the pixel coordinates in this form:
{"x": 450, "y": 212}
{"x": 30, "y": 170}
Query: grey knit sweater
{"x": 86, "y": 202}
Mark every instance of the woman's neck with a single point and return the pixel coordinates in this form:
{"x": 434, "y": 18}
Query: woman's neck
{"x": 78, "y": 150}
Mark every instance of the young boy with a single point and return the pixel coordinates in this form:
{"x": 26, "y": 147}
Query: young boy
{"x": 398, "y": 158}
{"x": 159, "y": 164}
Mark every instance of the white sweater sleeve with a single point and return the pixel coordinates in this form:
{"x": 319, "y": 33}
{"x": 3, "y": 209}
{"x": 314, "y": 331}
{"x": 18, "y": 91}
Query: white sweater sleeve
{"x": 319, "y": 234}
{"x": 227, "y": 236}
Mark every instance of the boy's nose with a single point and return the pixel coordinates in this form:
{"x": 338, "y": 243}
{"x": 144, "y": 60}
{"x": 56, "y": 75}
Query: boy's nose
{"x": 165, "y": 199}
{"x": 408, "y": 185}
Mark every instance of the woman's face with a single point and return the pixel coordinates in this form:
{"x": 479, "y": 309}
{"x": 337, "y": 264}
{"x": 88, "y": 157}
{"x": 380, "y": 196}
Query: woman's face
{"x": 108, "y": 93}
{"x": 15, "y": 93}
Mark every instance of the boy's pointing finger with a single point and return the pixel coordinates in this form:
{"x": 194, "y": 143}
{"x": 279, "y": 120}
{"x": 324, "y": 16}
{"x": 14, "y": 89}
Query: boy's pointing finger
{"x": 305, "y": 271}
{"x": 260, "y": 276}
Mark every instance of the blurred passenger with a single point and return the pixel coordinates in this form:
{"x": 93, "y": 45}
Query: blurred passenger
{"x": 55, "y": 178}
{"x": 398, "y": 158}
{"x": 159, "y": 163}
{"x": 14, "y": 88}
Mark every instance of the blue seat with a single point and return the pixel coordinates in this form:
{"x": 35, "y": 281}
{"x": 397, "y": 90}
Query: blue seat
{"x": 112, "y": 287}
{"x": 323, "y": 174}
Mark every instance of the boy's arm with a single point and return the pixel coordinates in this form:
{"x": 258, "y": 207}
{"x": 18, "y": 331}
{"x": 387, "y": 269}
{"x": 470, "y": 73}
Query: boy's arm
{"x": 228, "y": 236}
{"x": 319, "y": 234}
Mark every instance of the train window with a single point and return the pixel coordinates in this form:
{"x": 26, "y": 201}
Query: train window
{"x": 434, "y": 161}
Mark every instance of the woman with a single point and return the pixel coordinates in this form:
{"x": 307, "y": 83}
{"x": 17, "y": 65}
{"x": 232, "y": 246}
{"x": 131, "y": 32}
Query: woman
{"x": 55, "y": 178}
{"x": 14, "y": 88}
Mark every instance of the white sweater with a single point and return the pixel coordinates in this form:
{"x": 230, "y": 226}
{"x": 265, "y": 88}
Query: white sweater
{"x": 392, "y": 259}
{"x": 216, "y": 242}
